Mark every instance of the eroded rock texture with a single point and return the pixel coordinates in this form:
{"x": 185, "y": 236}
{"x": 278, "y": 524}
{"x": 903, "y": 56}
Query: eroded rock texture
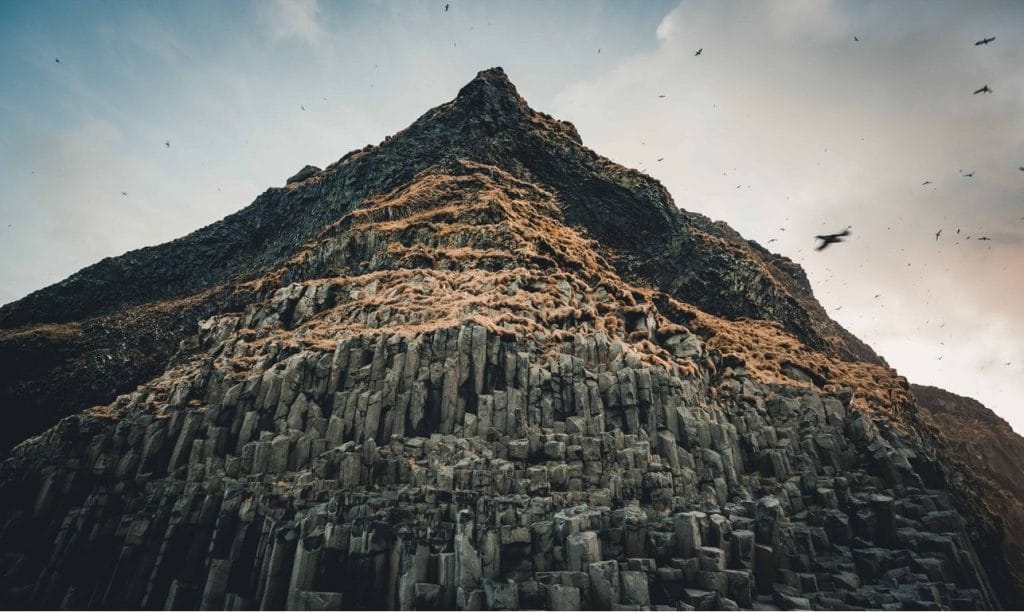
{"x": 468, "y": 388}
{"x": 456, "y": 469}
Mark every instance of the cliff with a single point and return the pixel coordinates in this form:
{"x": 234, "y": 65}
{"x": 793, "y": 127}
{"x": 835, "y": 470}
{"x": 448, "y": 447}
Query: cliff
{"x": 477, "y": 365}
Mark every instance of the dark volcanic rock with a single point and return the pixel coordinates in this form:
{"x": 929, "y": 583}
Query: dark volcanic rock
{"x": 684, "y": 254}
{"x": 976, "y": 439}
{"x": 482, "y": 368}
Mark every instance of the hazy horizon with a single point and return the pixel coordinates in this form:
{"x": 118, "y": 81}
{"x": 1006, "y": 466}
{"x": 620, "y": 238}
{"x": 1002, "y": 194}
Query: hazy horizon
{"x": 784, "y": 127}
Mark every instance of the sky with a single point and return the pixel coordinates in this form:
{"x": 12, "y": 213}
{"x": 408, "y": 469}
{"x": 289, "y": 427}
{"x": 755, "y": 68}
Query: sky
{"x": 784, "y": 126}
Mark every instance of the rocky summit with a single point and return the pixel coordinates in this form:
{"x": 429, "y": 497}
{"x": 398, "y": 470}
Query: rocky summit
{"x": 478, "y": 366}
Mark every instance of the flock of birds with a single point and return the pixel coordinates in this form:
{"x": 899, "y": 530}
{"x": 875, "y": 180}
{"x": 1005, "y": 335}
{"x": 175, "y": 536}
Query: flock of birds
{"x": 827, "y": 239}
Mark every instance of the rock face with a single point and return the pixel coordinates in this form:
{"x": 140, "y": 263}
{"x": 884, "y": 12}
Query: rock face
{"x": 114, "y": 325}
{"x": 478, "y": 366}
{"x": 985, "y": 445}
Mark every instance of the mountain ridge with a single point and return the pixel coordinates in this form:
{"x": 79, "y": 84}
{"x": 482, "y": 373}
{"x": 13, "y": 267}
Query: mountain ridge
{"x": 259, "y": 237}
{"x": 559, "y": 301}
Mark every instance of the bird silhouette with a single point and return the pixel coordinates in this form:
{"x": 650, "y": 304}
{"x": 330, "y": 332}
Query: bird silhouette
{"x": 984, "y": 41}
{"x": 970, "y": 174}
{"x": 446, "y": 8}
{"x": 937, "y": 234}
{"x": 855, "y": 39}
{"x": 984, "y": 238}
{"x": 1021, "y": 168}
{"x": 699, "y": 51}
{"x": 927, "y": 183}
{"x": 124, "y": 193}
{"x": 661, "y": 158}
{"x": 984, "y": 89}
{"x": 771, "y": 240}
{"x": 661, "y": 96}
{"x": 57, "y": 59}
{"x": 167, "y": 143}
{"x": 827, "y": 239}
{"x": 302, "y": 107}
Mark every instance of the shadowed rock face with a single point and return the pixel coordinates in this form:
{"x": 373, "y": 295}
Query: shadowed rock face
{"x": 976, "y": 440}
{"x": 124, "y": 315}
{"x": 475, "y": 366}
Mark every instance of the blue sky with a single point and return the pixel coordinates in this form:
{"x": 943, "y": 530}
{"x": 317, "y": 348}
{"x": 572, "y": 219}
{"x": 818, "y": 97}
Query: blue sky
{"x": 784, "y": 121}
{"x": 225, "y": 83}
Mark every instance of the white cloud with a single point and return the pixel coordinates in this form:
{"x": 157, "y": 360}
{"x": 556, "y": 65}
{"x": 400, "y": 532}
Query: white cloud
{"x": 294, "y": 19}
{"x": 785, "y": 122}
{"x": 670, "y": 26}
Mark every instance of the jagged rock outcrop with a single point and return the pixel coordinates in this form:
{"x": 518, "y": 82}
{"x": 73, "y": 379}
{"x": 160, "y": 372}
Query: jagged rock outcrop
{"x": 478, "y": 366}
{"x": 124, "y": 337}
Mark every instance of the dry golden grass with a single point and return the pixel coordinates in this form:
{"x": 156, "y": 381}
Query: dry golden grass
{"x": 764, "y": 347}
{"x": 445, "y": 231}
{"x": 53, "y": 331}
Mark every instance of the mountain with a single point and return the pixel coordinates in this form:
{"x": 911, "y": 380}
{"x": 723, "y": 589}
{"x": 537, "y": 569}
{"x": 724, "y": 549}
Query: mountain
{"x": 477, "y": 365}
{"x": 981, "y": 444}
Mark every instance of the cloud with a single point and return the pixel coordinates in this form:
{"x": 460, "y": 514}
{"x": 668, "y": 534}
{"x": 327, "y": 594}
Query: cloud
{"x": 785, "y": 126}
{"x": 294, "y": 20}
{"x": 800, "y": 20}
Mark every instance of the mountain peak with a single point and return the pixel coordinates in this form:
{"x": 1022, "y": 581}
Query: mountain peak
{"x": 491, "y": 96}
{"x": 493, "y": 83}
{"x": 485, "y": 326}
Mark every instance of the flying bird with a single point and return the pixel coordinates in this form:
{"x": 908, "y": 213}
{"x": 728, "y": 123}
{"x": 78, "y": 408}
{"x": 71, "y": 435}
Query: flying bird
{"x": 302, "y": 107}
{"x": 446, "y": 8}
{"x": 56, "y": 59}
{"x": 937, "y": 234}
{"x": 771, "y": 240}
{"x": 124, "y": 193}
{"x": 699, "y": 51}
{"x": 926, "y": 183}
{"x": 1021, "y": 168}
{"x": 984, "y": 238}
{"x": 661, "y": 158}
{"x": 661, "y": 96}
{"x": 970, "y": 174}
{"x": 828, "y": 239}
{"x": 855, "y": 39}
{"x": 167, "y": 143}
{"x": 985, "y": 41}
{"x": 984, "y": 89}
